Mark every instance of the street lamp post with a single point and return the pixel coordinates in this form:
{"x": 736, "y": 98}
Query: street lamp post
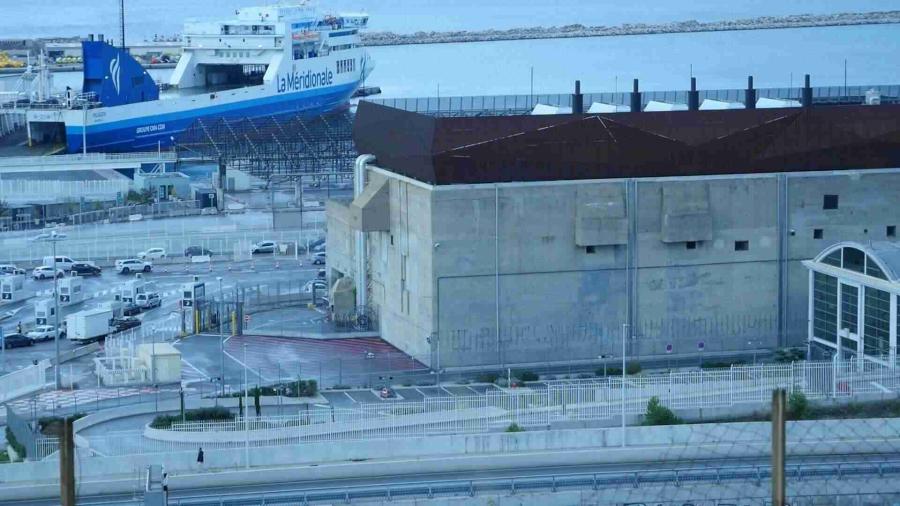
{"x": 53, "y": 238}
{"x": 246, "y": 413}
{"x": 624, "y": 337}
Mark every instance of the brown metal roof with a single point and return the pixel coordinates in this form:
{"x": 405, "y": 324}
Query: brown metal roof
{"x": 596, "y": 146}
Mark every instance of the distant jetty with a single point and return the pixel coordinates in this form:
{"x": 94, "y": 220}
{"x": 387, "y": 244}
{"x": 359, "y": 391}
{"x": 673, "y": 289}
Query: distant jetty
{"x": 579, "y": 31}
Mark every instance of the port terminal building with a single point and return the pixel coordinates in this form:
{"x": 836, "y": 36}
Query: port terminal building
{"x": 533, "y": 240}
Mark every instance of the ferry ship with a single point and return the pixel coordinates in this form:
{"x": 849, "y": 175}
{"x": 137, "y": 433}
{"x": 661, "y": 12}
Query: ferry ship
{"x": 269, "y": 60}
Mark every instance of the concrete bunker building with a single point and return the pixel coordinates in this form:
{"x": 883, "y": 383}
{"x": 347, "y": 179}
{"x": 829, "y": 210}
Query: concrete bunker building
{"x": 531, "y": 240}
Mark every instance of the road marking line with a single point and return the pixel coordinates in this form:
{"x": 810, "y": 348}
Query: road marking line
{"x": 448, "y": 391}
{"x": 354, "y": 401}
{"x": 195, "y": 368}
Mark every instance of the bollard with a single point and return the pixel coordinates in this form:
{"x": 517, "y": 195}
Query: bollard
{"x": 210, "y": 266}
{"x": 276, "y": 266}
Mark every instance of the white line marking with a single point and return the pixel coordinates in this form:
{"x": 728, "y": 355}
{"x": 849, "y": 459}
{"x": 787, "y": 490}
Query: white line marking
{"x": 194, "y": 368}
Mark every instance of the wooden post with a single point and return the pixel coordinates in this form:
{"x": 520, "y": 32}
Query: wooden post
{"x": 67, "y": 464}
{"x": 778, "y": 446}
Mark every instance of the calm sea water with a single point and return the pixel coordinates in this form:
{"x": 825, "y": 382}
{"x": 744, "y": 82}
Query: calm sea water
{"x": 719, "y": 60}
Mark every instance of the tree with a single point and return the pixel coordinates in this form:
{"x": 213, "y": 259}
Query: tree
{"x": 798, "y": 405}
{"x": 256, "y": 402}
{"x": 241, "y": 406}
{"x": 657, "y": 414}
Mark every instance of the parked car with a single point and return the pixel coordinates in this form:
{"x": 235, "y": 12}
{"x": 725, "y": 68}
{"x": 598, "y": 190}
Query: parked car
{"x": 196, "y": 251}
{"x": 46, "y": 272}
{"x": 387, "y": 393}
{"x": 131, "y": 309}
{"x": 152, "y": 254}
{"x": 264, "y": 247}
{"x": 86, "y": 269}
{"x": 42, "y": 333}
{"x": 16, "y": 341}
{"x": 128, "y": 322}
{"x": 10, "y": 269}
{"x": 319, "y": 258}
{"x": 148, "y": 300}
{"x": 129, "y": 265}
{"x": 321, "y": 274}
{"x": 316, "y": 284}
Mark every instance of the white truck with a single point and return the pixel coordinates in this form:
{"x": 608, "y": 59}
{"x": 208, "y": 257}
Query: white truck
{"x": 89, "y": 325}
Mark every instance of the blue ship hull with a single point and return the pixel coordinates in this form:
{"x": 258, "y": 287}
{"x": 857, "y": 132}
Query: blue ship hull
{"x": 133, "y": 135}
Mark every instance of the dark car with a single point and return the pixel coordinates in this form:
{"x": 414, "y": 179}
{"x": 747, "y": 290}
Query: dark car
{"x": 86, "y": 269}
{"x": 125, "y": 323}
{"x": 196, "y": 251}
{"x": 131, "y": 310}
{"x": 17, "y": 341}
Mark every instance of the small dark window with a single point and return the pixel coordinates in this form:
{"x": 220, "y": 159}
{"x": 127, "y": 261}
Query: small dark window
{"x": 891, "y": 231}
{"x": 818, "y": 233}
{"x": 741, "y": 245}
{"x": 830, "y": 202}
{"x": 691, "y": 245}
{"x": 392, "y": 239}
{"x": 590, "y": 250}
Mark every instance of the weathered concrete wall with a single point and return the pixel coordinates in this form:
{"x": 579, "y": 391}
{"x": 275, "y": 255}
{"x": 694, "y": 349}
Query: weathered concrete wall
{"x": 706, "y": 252}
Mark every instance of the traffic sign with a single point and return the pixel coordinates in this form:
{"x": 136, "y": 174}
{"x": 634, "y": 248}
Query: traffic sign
{"x": 701, "y": 345}
{"x": 246, "y": 318}
{"x": 669, "y": 348}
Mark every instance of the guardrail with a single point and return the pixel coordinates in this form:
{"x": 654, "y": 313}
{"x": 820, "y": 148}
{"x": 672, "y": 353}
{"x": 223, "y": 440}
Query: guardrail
{"x": 552, "y": 483}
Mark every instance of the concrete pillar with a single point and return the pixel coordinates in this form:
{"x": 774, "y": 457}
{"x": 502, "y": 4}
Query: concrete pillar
{"x": 577, "y": 99}
{"x": 220, "y": 187}
{"x": 750, "y": 94}
{"x": 807, "y": 92}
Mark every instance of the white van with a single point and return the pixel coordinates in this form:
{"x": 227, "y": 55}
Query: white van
{"x": 62, "y": 262}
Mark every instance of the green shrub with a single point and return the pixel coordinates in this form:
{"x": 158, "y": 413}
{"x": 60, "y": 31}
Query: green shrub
{"x": 487, "y": 377}
{"x": 632, "y": 368}
{"x": 788, "y": 355}
{"x": 611, "y": 371}
{"x": 341, "y": 387}
{"x": 798, "y": 406}
{"x": 16, "y": 445}
{"x": 721, "y": 365}
{"x": 527, "y": 376}
{"x": 52, "y": 425}
{"x": 657, "y": 414}
{"x": 256, "y": 403}
{"x": 514, "y": 427}
{"x": 4, "y": 457}
{"x": 216, "y": 414}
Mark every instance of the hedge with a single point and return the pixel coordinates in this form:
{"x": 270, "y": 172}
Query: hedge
{"x": 216, "y": 414}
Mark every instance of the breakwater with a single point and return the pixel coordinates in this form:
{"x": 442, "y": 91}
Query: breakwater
{"x": 580, "y": 31}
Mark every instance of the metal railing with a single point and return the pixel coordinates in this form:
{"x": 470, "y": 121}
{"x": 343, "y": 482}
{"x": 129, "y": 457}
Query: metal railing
{"x": 596, "y": 400}
{"x": 524, "y": 104}
{"x": 24, "y": 381}
{"x": 147, "y": 157}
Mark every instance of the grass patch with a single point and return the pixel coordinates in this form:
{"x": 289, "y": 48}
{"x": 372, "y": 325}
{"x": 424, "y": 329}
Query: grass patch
{"x": 15, "y": 444}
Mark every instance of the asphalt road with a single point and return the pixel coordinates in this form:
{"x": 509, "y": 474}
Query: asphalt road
{"x": 627, "y": 471}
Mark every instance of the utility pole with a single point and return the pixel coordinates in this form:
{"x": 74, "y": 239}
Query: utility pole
{"x": 624, "y": 337}
{"x": 122, "y": 24}
{"x": 778, "y": 447}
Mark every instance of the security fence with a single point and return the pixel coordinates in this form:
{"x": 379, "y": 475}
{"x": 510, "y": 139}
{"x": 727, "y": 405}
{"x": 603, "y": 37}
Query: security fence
{"x": 146, "y": 211}
{"x": 524, "y": 104}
